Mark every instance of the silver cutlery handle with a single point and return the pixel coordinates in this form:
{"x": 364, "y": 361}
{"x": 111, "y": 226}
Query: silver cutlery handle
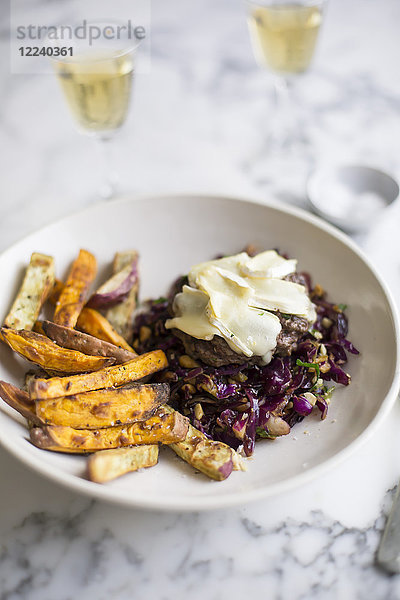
{"x": 389, "y": 549}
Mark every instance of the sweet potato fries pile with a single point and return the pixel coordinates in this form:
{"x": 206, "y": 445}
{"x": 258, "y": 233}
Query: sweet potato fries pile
{"x": 90, "y": 391}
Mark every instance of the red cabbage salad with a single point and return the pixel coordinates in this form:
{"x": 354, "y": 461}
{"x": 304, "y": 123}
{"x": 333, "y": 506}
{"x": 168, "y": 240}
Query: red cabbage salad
{"x": 240, "y": 403}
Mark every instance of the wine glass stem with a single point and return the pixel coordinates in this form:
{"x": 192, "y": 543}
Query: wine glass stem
{"x": 286, "y": 131}
{"x": 110, "y": 180}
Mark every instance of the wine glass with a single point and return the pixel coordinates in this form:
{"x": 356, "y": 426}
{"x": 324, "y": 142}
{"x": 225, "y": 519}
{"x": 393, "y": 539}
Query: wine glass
{"x": 284, "y": 36}
{"x": 97, "y": 81}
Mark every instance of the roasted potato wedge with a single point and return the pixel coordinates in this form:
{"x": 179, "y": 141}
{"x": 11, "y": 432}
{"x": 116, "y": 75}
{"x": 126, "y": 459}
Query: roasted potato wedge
{"x": 19, "y": 401}
{"x": 162, "y": 427}
{"x": 92, "y": 322}
{"x": 121, "y": 315}
{"x": 88, "y": 344}
{"x": 41, "y": 350}
{"x": 106, "y": 465}
{"x": 104, "y": 408}
{"x": 74, "y": 293}
{"x": 36, "y": 286}
{"x": 214, "y": 459}
{"x": 114, "y": 376}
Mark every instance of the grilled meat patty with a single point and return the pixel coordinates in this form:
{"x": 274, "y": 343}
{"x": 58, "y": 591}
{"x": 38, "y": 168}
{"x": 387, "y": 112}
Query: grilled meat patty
{"x": 217, "y": 353}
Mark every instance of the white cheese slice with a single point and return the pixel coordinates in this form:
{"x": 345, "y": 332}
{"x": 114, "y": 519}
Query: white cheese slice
{"x": 245, "y": 329}
{"x": 233, "y": 341}
{"x": 285, "y": 296}
{"x": 268, "y": 264}
{"x": 255, "y": 334}
{"x": 228, "y": 303}
{"x": 231, "y": 297}
{"x": 231, "y": 276}
{"x": 229, "y": 263}
{"x": 190, "y": 309}
{"x": 223, "y": 288}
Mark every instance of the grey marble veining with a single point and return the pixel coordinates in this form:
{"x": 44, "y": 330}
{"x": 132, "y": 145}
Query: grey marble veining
{"x": 57, "y": 555}
{"x": 199, "y": 118}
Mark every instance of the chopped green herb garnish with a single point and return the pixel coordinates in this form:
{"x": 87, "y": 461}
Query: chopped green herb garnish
{"x": 342, "y": 307}
{"x": 160, "y": 300}
{"x": 329, "y": 392}
{"x": 317, "y": 388}
{"x": 285, "y": 315}
{"x": 314, "y": 366}
{"x": 260, "y": 431}
{"x": 232, "y": 334}
{"x": 261, "y": 314}
{"x": 317, "y": 334}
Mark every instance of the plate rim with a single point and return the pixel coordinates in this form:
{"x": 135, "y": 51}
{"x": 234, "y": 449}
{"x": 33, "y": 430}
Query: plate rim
{"x": 200, "y": 503}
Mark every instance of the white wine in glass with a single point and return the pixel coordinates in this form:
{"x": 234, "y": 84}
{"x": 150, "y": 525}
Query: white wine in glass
{"x": 97, "y": 82}
{"x": 97, "y": 89}
{"x": 284, "y": 35}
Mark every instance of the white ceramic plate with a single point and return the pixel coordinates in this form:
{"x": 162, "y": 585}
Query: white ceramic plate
{"x": 171, "y": 234}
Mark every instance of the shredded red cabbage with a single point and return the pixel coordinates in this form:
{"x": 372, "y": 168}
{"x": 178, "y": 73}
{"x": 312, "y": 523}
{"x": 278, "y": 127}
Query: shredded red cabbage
{"x": 238, "y": 404}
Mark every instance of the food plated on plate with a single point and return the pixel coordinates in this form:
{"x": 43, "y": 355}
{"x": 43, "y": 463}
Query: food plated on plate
{"x": 251, "y": 346}
{"x": 242, "y": 348}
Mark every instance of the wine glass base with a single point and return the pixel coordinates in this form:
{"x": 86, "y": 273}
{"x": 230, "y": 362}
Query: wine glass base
{"x": 283, "y": 166}
{"x": 109, "y": 192}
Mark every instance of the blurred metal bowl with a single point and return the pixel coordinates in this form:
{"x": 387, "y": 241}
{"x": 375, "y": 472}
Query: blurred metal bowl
{"x": 351, "y": 196}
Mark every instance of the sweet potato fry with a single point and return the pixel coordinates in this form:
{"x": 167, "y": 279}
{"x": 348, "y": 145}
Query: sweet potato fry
{"x": 92, "y": 322}
{"x": 19, "y": 401}
{"x": 104, "y": 408}
{"x": 73, "y": 295}
{"x": 214, "y": 459}
{"x": 33, "y": 374}
{"x": 116, "y": 288}
{"x": 35, "y": 288}
{"x": 118, "y": 375}
{"x": 55, "y": 292}
{"x": 44, "y": 352}
{"x": 38, "y": 327}
{"x": 162, "y": 427}
{"x": 121, "y": 315}
{"x": 88, "y": 344}
{"x": 106, "y": 465}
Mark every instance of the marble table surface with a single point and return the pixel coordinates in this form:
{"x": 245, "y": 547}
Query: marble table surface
{"x": 199, "y": 115}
